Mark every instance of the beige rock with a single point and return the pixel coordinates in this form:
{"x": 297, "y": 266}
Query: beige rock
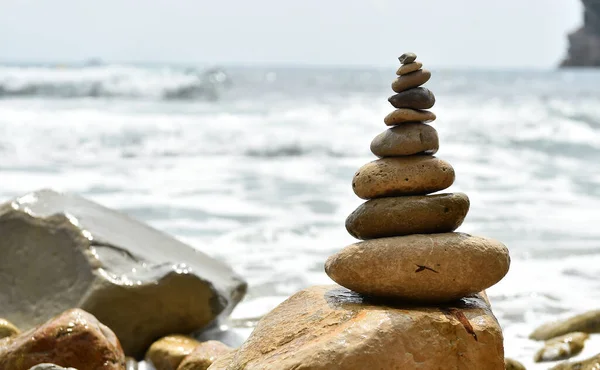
{"x": 168, "y": 352}
{"x": 410, "y": 80}
{"x": 511, "y": 364}
{"x": 426, "y": 268}
{"x": 137, "y": 280}
{"x": 408, "y": 68}
{"x": 417, "y": 214}
{"x": 588, "y": 322}
{"x": 592, "y": 363}
{"x": 403, "y": 115}
{"x": 332, "y": 328}
{"x": 407, "y": 58}
{"x": 75, "y": 338}
{"x": 223, "y": 362}
{"x": 7, "y": 329}
{"x": 406, "y": 139}
{"x": 562, "y": 348}
{"x": 205, "y": 355}
{"x": 414, "y": 175}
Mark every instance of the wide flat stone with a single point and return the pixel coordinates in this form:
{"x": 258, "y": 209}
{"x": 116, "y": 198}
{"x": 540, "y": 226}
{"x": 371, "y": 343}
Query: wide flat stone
{"x": 410, "y": 80}
{"x": 425, "y": 268}
{"x": 406, "y": 139}
{"x": 408, "y": 68}
{"x": 137, "y": 280}
{"x": 333, "y": 328}
{"x": 395, "y": 176}
{"x": 403, "y": 115}
{"x": 417, "y": 214}
{"x": 416, "y": 98}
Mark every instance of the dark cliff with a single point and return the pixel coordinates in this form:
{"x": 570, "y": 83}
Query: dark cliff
{"x": 584, "y": 43}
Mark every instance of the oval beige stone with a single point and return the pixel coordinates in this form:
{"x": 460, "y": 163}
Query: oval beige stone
{"x": 168, "y": 352}
{"x": 562, "y": 348}
{"x": 404, "y": 115}
{"x": 407, "y": 139}
{"x": 417, "y": 214}
{"x": 413, "y": 175}
{"x": 427, "y": 268}
{"x": 410, "y": 80}
{"x": 7, "y": 329}
{"x": 409, "y": 68}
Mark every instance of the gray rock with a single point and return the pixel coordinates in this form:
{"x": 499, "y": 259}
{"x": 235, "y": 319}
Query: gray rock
{"x": 61, "y": 251}
{"x": 407, "y": 58}
{"x": 584, "y": 43}
{"x": 417, "y": 98}
{"x": 50, "y": 367}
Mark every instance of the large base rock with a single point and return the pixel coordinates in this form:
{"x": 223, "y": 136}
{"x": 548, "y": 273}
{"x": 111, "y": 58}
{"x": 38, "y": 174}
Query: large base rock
{"x": 330, "y": 327}
{"x": 61, "y": 251}
{"x": 75, "y": 339}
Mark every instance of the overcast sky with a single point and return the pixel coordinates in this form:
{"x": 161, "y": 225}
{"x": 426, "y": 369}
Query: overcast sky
{"x": 478, "y": 33}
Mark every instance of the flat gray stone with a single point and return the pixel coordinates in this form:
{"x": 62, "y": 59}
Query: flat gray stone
{"x": 61, "y": 251}
{"x": 407, "y": 58}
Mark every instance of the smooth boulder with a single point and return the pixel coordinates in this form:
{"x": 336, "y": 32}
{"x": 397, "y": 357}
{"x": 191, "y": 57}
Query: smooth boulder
{"x": 425, "y": 268}
{"x": 168, "y": 352}
{"x": 7, "y": 329}
{"x": 417, "y": 98}
{"x": 404, "y": 140}
{"x": 333, "y": 328}
{"x": 592, "y": 363}
{"x": 403, "y": 115}
{"x": 588, "y": 322}
{"x": 561, "y": 348}
{"x": 410, "y": 80}
{"x": 414, "y": 175}
{"x": 135, "y": 279}
{"x": 205, "y": 355}
{"x": 73, "y": 339}
{"x": 408, "y": 68}
{"x": 416, "y": 214}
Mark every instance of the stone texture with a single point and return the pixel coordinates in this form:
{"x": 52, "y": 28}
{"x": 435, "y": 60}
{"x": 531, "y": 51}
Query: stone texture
{"x": 407, "y": 58}
{"x": 7, "y": 329}
{"x": 408, "y": 68}
{"x": 403, "y": 115}
{"x": 133, "y": 278}
{"x": 425, "y": 268}
{"x": 410, "y": 80}
{"x": 397, "y": 216}
{"x": 75, "y": 338}
{"x": 417, "y": 98}
{"x": 588, "y": 322}
{"x": 562, "y": 348}
{"x": 592, "y": 363}
{"x": 168, "y": 352}
{"x": 223, "y": 362}
{"x": 205, "y": 355}
{"x": 414, "y": 175}
{"x": 510, "y": 364}
{"x": 332, "y": 328}
{"x": 584, "y": 43}
{"x": 50, "y": 367}
{"x": 406, "y": 139}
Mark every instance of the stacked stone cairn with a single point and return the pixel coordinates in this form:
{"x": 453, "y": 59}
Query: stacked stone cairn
{"x": 410, "y": 251}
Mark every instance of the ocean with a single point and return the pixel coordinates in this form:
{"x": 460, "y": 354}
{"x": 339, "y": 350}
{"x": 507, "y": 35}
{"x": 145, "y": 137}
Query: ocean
{"x": 254, "y": 166}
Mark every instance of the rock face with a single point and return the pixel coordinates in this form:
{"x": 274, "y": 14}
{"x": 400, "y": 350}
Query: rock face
{"x": 75, "y": 338}
{"x": 205, "y": 355}
{"x": 584, "y": 43}
{"x": 135, "y": 279}
{"x": 168, "y": 352}
{"x": 436, "y": 267}
{"x": 588, "y": 322}
{"x": 332, "y": 328}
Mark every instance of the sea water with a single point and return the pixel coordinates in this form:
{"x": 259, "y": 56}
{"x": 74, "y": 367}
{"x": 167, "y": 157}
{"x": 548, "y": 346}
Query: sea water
{"x": 254, "y": 166}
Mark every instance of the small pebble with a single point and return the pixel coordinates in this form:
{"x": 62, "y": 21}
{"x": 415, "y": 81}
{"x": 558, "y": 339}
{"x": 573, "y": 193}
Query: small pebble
{"x": 407, "y": 58}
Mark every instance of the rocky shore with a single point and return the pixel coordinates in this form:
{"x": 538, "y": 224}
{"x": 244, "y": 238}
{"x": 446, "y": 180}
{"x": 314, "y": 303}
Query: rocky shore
{"x": 584, "y": 43}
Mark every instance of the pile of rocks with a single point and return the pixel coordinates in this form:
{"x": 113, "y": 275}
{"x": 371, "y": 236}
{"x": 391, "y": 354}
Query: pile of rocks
{"x": 410, "y": 251}
{"x": 411, "y": 294}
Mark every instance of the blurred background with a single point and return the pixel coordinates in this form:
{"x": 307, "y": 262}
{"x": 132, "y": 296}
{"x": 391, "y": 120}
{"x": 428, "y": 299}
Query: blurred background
{"x": 237, "y": 127}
